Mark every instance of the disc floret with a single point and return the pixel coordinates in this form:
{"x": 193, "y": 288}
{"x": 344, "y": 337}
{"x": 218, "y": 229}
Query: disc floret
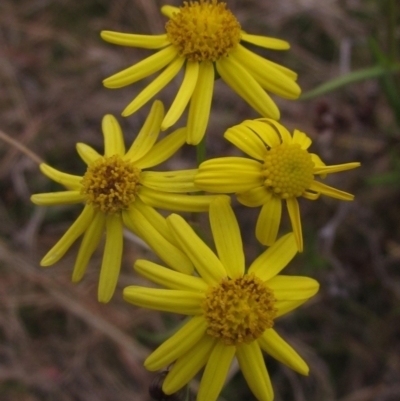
{"x": 111, "y": 184}
{"x": 203, "y": 31}
{"x": 240, "y": 310}
{"x": 288, "y": 170}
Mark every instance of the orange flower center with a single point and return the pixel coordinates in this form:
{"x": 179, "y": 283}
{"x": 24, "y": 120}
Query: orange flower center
{"x": 111, "y": 184}
{"x": 239, "y": 311}
{"x": 203, "y": 31}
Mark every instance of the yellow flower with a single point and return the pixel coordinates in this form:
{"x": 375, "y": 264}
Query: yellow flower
{"x": 232, "y": 311}
{"x": 117, "y": 193}
{"x": 283, "y": 170}
{"x": 200, "y": 36}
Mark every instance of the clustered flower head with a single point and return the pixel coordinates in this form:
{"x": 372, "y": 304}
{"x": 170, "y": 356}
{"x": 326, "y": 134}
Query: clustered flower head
{"x": 232, "y": 309}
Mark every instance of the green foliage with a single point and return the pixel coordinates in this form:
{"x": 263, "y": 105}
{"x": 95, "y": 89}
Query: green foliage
{"x": 378, "y": 71}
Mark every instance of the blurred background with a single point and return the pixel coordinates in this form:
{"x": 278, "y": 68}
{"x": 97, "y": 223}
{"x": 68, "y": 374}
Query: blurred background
{"x": 56, "y": 342}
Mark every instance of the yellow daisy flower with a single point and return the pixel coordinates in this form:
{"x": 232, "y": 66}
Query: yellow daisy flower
{"x": 117, "y": 193}
{"x": 201, "y": 36}
{"x": 232, "y": 311}
{"x": 283, "y": 170}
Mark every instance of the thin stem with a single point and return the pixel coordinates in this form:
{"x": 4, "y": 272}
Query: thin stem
{"x": 391, "y": 37}
{"x": 201, "y": 151}
{"x": 22, "y": 148}
{"x": 187, "y": 397}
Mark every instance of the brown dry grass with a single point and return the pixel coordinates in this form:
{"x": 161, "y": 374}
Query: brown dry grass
{"x": 56, "y": 342}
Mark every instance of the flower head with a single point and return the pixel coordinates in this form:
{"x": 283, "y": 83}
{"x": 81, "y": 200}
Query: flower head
{"x": 281, "y": 169}
{"x": 232, "y": 310}
{"x": 199, "y": 36}
{"x": 117, "y": 193}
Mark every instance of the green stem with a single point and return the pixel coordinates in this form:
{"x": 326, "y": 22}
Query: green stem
{"x": 391, "y": 34}
{"x": 187, "y": 397}
{"x": 201, "y": 151}
{"x": 376, "y": 71}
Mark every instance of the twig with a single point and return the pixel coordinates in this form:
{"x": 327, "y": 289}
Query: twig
{"x": 22, "y": 148}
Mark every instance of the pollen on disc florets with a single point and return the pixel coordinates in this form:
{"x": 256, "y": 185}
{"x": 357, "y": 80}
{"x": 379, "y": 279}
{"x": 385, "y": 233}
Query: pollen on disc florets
{"x": 110, "y": 184}
{"x": 203, "y": 31}
{"x": 288, "y": 170}
{"x": 240, "y": 310}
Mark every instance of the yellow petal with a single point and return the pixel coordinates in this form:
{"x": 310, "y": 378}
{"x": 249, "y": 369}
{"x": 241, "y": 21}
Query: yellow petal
{"x": 133, "y": 40}
{"x": 111, "y": 264}
{"x": 310, "y": 195}
{"x": 330, "y": 191}
{"x": 275, "y": 258}
{"x": 177, "y": 345}
{"x": 155, "y": 86}
{"x": 169, "y": 11}
{"x": 229, "y": 174}
{"x": 285, "y": 307}
{"x": 175, "y": 202}
{"x": 288, "y": 72}
{"x": 163, "y": 248}
{"x": 274, "y": 345}
{"x": 283, "y": 132}
{"x": 186, "y": 367}
{"x": 243, "y": 83}
{"x": 200, "y": 104}
{"x": 336, "y": 168}
{"x": 268, "y": 221}
{"x": 266, "y": 132}
{"x": 269, "y": 77}
{"x": 293, "y": 288}
{"x": 207, "y": 264}
{"x": 301, "y": 139}
{"x": 176, "y": 181}
{"x": 225, "y": 181}
{"x": 168, "y": 278}
{"x": 113, "y": 138}
{"x": 227, "y": 239}
{"x": 154, "y": 218}
{"x": 163, "y": 149}
{"x": 265, "y": 41}
{"x": 87, "y": 153}
{"x": 252, "y": 364}
{"x": 317, "y": 161}
{"x": 90, "y": 242}
{"x": 148, "y": 134}
{"x": 183, "y": 96}
{"x": 246, "y": 140}
{"x": 176, "y": 301}
{"x": 247, "y": 165}
{"x": 142, "y": 69}
{"x": 68, "y": 180}
{"x": 254, "y": 197}
{"x": 214, "y": 375}
{"x": 294, "y": 214}
{"x": 58, "y": 198}
{"x": 64, "y": 243}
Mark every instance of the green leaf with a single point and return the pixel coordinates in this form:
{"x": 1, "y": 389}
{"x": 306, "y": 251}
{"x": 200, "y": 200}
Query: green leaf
{"x": 387, "y": 179}
{"x": 348, "y": 79}
{"x": 388, "y": 84}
